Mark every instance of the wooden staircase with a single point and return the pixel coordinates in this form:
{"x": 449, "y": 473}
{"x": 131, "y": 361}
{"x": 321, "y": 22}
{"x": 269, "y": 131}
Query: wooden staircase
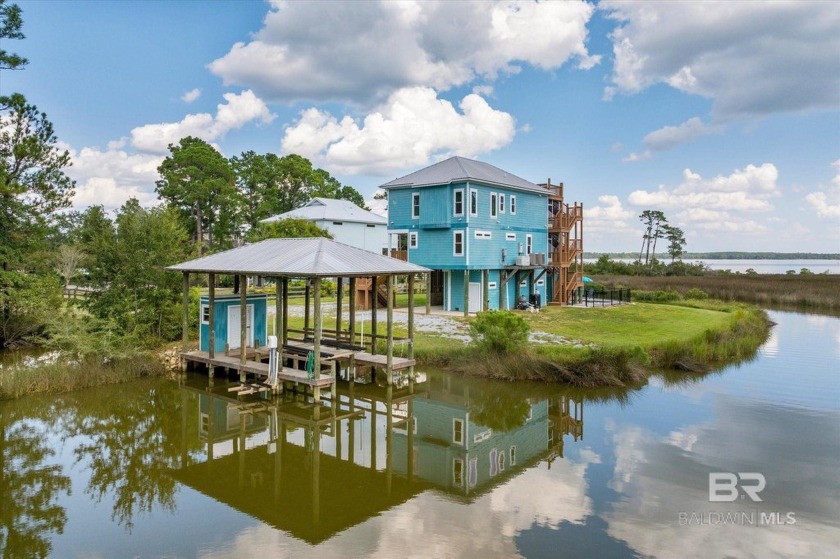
{"x": 565, "y": 232}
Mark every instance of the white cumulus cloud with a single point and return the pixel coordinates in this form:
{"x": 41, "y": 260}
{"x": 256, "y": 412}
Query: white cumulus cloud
{"x": 827, "y": 202}
{"x": 751, "y": 58}
{"x": 411, "y": 127}
{"x": 669, "y": 137}
{"x": 191, "y": 95}
{"x": 363, "y": 51}
{"x": 237, "y": 110}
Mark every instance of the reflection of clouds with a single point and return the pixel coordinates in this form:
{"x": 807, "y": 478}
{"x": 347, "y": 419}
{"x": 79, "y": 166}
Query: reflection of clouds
{"x": 660, "y": 477}
{"x": 771, "y": 346}
{"x": 432, "y": 525}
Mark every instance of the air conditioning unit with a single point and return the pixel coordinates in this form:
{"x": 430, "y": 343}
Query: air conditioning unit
{"x": 523, "y": 260}
{"x": 537, "y": 259}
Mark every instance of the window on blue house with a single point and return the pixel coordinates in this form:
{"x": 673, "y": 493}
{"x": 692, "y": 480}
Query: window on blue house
{"x": 458, "y": 243}
{"x": 529, "y": 243}
{"x": 458, "y": 203}
{"x": 494, "y": 208}
{"x": 473, "y": 201}
{"x": 412, "y": 240}
{"x": 415, "y": 205}
{"x": 512, "y": 205}
{"x": 205, "y": 314}
{"x": 501, "y": 203}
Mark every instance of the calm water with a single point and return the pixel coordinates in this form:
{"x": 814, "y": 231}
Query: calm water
{"x": 456, "y": 469}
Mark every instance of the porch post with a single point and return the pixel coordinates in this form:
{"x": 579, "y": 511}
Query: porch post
{"x": 285, "y": 329}
{"x": 211, "y": 319}
{"x": 316, "y": 285}
{"x": 339, "y": 295}
{"x": 502, "y": 289}
{"x": 279, "y": 319}
{"x": 351, "y": 368}
{"x": 411, "y": 316}
{"x": 243, "y": 325}
{"x": 389, "y": 356}
{"x": 306, "y": 295}
{"x": 373, "y": 306}
{"x": 185, "y": 302}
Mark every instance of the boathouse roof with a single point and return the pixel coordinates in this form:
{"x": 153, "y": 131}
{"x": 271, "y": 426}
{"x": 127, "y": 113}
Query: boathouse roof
{"x": 460, "y": 169}
{"x": 307, "y": 257}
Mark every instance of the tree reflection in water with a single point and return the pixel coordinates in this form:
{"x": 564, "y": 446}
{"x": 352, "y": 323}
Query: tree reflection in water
{"x": 131, "y": 441}
{"x": 29, "y": 485}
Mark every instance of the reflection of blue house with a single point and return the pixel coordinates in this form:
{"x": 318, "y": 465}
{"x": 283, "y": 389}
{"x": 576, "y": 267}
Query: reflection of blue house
{"x": 458, "y": 455}
{"x": 220, "y": 420}
{"x": 473, "y": 224}
{"x": 227, "y": 319}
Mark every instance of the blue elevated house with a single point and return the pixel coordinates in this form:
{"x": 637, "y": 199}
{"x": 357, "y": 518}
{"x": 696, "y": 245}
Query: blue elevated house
{"x": 485, "y": 233}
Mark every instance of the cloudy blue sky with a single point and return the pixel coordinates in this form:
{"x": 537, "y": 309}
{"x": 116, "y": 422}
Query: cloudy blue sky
{"x": 724, "y": 115}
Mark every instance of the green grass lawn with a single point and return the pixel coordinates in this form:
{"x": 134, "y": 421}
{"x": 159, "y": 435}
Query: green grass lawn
{"x": 641, "y": 324}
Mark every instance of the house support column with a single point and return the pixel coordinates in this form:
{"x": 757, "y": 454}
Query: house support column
{"x": 243, "y": 325}
{"x": 339, "y": 296}
{"x": 389, "y": 356}
{"x": 428, "y": 279}
{"x": 502, "y": 289}
{"x": 485, "y": 290}
{"x": 211, "y": 320}
{"x": 279, "y": 319}
{"x": 466, "y": 293}
{"x": 285, "y": 329}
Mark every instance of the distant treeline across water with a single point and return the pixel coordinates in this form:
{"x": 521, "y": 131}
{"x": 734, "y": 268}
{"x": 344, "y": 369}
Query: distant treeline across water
{"x": 729, "y": 255}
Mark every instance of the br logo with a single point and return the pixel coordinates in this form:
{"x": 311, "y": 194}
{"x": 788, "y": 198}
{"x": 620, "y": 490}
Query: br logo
{"x": 723, "y": 486}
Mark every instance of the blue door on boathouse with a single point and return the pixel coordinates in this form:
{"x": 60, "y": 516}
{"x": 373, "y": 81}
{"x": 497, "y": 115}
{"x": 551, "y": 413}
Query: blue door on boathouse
{"x": 227, "y": 318}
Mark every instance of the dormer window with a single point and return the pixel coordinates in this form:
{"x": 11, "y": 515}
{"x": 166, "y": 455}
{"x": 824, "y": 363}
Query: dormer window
{"x": 458, "y": 203}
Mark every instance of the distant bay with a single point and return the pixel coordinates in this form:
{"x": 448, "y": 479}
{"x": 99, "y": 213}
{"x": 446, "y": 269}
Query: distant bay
{"x": 762, "y": 266}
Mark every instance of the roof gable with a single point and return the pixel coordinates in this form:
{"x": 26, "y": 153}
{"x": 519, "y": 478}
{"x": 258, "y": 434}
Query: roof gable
{"x": 457, "y": 169}
{"x": 328, "y": 209}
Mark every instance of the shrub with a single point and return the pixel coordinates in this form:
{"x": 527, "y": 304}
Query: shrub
{"x": 695, "y": 293}
{"x": 666, "y": 296}
{"x": 499, "y": 331}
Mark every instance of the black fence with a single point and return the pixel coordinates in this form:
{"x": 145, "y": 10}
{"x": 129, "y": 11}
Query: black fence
{"x": 601, "y": 296}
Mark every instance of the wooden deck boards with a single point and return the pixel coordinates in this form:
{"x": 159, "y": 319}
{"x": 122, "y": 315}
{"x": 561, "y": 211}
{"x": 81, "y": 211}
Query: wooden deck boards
{"x": 363, "y": 358}
{"x": 285, "y": 374}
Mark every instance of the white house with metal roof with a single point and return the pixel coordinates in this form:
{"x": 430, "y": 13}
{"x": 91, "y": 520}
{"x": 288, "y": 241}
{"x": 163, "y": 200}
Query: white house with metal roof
{"x": 345, "y": 221}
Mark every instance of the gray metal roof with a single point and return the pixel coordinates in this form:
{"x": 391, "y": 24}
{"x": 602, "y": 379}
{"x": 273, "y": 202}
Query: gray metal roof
{"x": 310, "y": 257}
{"x": 328, "y": 209}
{"x": 457, "y": 169}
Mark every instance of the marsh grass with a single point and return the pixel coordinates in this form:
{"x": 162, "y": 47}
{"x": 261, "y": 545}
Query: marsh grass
{"x": 17, "y": 381}
{"x": 815, "y": 291}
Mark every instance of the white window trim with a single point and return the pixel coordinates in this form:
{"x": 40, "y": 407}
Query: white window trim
{"x": 473, "y": 195}
{"x": 413, "y": 240}
{"x": 510, "y": 236}
{"x": 454, "y": 439}
{"x": 512, "y": 204}
{"x": 541, "y": 282}
{"x": 455, "y": 235}
{"x": 455, "y": 212}
{"x": 205, "y": 308}
{"x": 529, "y": 243}
{"x": 491, "y": 285}
{"x": 501, "y": 203}
{"x": 479, "y": 234}
{"x": 494, "y": 201}
{"x": 415, "y": 196}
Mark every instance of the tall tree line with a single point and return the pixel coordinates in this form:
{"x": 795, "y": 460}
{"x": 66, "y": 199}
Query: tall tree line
{"x": 220, "y": 199}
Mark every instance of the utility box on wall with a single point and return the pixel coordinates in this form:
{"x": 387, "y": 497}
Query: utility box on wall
{"x": 227, "y": 318}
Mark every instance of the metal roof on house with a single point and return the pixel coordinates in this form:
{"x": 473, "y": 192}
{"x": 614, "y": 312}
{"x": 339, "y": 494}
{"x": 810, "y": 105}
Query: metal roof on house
{"x": 328, "y": 209}
{"x": 309, "y": 257}
{"x": 457, "y": 169}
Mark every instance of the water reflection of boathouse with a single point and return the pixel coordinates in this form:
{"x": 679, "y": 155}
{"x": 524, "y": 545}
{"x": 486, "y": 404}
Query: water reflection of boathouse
{"x": 316, "y": 469}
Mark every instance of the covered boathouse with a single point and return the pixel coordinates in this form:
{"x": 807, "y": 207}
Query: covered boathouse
{"x": 308, "y": 357}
